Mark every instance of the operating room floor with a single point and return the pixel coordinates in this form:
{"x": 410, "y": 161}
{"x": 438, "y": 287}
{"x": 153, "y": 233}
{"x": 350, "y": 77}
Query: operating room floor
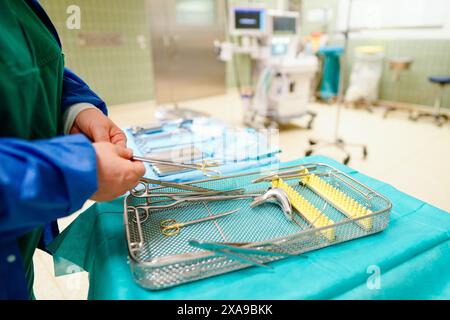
{"x": 413, "y": 157}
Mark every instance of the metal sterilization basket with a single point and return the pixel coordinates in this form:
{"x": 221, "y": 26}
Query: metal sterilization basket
{"x": 159, "y": 262}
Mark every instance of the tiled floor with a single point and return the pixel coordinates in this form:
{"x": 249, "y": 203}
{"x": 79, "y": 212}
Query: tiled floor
{"x": 414, "y": 157}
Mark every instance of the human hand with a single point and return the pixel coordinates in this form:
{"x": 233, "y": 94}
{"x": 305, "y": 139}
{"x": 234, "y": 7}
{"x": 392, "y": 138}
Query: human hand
{"x": 98, "y": 127}
{"x": 116, "y": 173}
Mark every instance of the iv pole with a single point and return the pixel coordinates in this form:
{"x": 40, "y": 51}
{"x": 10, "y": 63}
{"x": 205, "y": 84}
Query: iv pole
{"x": 338, "y": 142}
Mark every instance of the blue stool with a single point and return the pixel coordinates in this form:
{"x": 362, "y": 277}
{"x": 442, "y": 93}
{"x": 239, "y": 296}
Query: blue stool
{"x": 439, "y": 117}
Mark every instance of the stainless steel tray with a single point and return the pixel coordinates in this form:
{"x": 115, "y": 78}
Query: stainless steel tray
{"x": 159, "y": 262}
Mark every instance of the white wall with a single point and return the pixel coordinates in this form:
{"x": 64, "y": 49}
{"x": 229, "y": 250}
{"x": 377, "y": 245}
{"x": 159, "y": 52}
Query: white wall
{"x": 390, "y": 19}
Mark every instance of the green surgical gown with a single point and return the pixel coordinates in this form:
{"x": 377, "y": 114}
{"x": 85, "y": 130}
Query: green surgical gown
{"x": 31, "y": 78}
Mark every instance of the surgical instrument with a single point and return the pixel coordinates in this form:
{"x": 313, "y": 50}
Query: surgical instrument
{"x": 171, "y": 227}
{"x": 277, "y": 194}
{"x": 157, "y": 128}
{"x": 331, "y": 194}
{"x": 340, "y": 200}
{"x": 281, "y": 198}
{"x": 146, "y": 129}
{"x": 180, "y": 200}
{"x": 178, "y": 196}
{"x": 308, "y": 211}
{"x": 236, "y": 252}
{"x": 188, "y": 154}
{"x": 159, "y": 262}
{"x": 147, "y": 192}
{"x": 203, "y": 166}
{"x": 191, "y": 187}
{"x": 174, "y": 195}
{"x": 296, "y": 173}
{"x": 145, "y": 182}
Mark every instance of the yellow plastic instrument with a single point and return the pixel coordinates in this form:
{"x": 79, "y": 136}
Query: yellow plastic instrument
{"x": 341, "y": 201}
{"x": 308, "y": 211}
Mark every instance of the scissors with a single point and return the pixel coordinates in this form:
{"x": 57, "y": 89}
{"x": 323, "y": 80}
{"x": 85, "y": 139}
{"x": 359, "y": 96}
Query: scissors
{"x": 203, "y": 166}
{"x": 171, "y": 227}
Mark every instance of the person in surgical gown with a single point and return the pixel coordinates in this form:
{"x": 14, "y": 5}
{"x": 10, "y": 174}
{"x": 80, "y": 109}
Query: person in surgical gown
{"x": 58, "y": 148}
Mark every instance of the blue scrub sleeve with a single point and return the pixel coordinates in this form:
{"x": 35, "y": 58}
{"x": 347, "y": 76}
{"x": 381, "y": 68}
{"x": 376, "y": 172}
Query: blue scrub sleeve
{"x": 75, "y": 90}
{"x": 43, "y": 180}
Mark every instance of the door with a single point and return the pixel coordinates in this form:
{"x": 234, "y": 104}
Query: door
{"x": 184, "y": 60}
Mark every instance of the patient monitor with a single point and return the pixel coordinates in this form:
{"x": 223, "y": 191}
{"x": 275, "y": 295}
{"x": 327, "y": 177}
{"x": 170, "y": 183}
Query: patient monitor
{"x": 248, "y": 21}
{"x": 284, "y": 33}
{"x": 282, "y": 75}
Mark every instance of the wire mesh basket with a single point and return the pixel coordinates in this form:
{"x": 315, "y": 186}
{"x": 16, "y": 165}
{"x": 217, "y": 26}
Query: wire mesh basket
{"x": 159, "y": 262}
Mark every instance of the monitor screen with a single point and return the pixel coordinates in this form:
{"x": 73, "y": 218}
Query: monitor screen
{"x": 279, "y": 49}
{"x": 284, "y": 25}
{"x": 248, "y": 19}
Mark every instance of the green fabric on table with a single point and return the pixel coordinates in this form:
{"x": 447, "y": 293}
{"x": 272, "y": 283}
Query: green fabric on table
{"x": 412, "y": 254}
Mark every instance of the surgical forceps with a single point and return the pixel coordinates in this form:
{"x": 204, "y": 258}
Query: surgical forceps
{"x": 236, "y": 252}
{"x": 171, "y": 227}
{"x": 146, "y": 191}
{"x": 178, "y": 200}
{"x": 180, "y": 195}
{"x": 203, "y": 166}
{"x": 277, "y": 194}
{"x": 296, "y": 173}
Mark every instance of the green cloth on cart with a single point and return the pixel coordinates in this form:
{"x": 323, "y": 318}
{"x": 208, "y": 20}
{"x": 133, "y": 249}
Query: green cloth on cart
{"x": 331, "y": 72}
{"x": 412, "y": 257}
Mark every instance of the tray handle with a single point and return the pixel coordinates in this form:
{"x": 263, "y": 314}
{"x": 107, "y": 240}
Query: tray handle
{"x": 137, "y": 245}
